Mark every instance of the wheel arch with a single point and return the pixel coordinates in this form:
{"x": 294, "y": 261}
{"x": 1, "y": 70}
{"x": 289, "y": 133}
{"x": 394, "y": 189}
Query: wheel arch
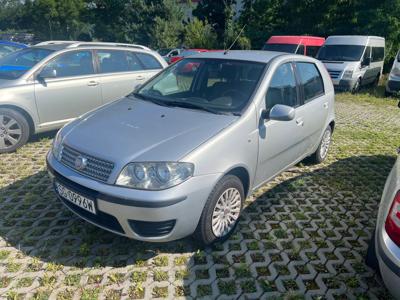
{"x": 24, "y": 113}
{"x": 243, "y": 174}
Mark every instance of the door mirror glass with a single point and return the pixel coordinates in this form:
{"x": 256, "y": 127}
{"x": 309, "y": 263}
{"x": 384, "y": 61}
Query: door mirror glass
{"x": 48, "y": 73}
{"x": 282, "y": 112}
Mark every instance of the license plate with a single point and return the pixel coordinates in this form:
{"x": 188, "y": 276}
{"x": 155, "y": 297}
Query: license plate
{"x": 75, "y": 198}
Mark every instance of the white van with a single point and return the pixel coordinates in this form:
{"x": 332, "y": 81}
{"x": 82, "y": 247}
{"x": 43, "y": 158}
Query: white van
{"x": 353, "y": 60}
{"x": 393, "y": 83}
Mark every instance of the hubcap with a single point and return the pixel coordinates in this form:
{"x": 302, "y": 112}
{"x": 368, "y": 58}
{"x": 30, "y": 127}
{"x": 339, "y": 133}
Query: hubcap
{"x": 10, "y": 132}
{"x": 326, "y": 140}
{"x": 226, "y": 212}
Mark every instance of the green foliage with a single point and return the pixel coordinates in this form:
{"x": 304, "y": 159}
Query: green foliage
{"x": 199, "y": 34}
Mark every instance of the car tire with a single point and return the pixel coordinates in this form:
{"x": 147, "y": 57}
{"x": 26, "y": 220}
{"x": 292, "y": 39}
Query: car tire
{"x": 356, "y": 87}
{"x": 371, "y": 260}
{"x": 14, "y": 130}
{"x": 212, "y": 226}
{"x": 322, "y": 151}
{"x": 375, "y": 83}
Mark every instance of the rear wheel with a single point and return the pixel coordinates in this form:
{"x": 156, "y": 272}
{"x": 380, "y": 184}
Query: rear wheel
{"x": 322, "y": 152}
{"x": 376, "y": 81}
{"x": 221, "y": 212}
{"x": 14, "y": 130}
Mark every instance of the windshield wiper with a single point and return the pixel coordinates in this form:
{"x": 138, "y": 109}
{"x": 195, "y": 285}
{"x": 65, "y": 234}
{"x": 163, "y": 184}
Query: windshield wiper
{"x": 151, "y": 99}
{"x": 193, "y": 106}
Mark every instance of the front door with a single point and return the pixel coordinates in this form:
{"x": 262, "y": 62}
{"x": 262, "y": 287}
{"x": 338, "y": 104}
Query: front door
{"x": 281, "y": 143}
{"x": 71, "y": 90}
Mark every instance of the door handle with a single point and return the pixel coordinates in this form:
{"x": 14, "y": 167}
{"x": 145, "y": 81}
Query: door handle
{"x": 326, "y": 105}
{"x": 92, "y": 83}
{"x": 299, "y": 122}
{"x": 140, "y": 77}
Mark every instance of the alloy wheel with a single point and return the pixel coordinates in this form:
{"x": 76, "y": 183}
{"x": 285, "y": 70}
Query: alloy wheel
{"x": 226, "y": 212}
{"x": 326, "y": 141}
{"x": 10, "y": 132}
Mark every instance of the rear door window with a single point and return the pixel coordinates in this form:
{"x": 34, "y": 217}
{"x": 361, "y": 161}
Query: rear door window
{"x": 112, "y": 61}
{"x": 282, "y": 88}
{"x": 148, "y": 61}
{"x": 310, "y": 80}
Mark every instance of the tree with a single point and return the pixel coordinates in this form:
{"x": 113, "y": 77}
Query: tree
{"x": 168, "y": 31}
{"x": 10, "y": 14}
{"x": 199, "y": 34}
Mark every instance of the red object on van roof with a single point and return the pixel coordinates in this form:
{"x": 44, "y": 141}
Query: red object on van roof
{"x": 300, "y": 44}
{"x": 296, "y": 39}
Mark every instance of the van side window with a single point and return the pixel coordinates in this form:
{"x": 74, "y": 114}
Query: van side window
{"x": 312, "y": 51}
{"x": 378, "y": 54}
{"x": 282, "y": 88}
{"x": 300, "y": 50}
{"x": 310, "y": 80}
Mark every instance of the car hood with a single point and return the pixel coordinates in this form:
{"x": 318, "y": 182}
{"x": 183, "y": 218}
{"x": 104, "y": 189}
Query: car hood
{"x": 135, "y": 130}
{"x": 5, "y": 83}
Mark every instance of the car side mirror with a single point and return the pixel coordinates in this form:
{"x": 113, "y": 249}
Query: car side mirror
{"x": 280, "y": 112}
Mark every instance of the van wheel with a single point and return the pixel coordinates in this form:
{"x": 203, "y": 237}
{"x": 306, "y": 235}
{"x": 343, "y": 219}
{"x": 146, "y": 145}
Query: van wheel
{"x": 322, "y": 152}
{"x": 14, "y": 130}
{"x": 221, "y": 212}
{"x": 376, "y": 81}
{"x": 356, "y": 87}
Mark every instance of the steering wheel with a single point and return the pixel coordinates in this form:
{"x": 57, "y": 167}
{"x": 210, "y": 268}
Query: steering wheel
{"x": 233, "y": 93}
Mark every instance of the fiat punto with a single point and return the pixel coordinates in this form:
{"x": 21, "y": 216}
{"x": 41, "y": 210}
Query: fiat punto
{"x": 180, "y": 154}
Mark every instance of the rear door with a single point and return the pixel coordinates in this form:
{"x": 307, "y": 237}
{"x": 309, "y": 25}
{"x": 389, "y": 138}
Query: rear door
{"x": 73, "y": 89}
{"x": 315, "y": 105}
{"x": 121, "y": 71}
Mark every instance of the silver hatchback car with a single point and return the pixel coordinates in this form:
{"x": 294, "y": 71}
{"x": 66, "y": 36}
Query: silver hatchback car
{"x": 47, "y": 85}
{"x": 180, "y": 154}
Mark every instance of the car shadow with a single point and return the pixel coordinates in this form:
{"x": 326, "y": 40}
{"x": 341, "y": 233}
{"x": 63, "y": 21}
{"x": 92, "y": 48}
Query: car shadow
{"x": 314, "y": 199}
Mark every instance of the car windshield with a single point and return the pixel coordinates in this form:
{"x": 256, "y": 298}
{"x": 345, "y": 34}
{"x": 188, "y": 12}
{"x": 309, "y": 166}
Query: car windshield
{"x": 288, "y": 48}
{"x": 218, "y": 86}
{"x": 340, "y": 52}
{"x": 163, "y": 52}
{"x": 15, "y": 64}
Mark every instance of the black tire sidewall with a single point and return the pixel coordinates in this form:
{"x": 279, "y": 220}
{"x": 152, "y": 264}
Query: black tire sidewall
{"x": 24, "y": 127}
{"x": 204, "y": 231}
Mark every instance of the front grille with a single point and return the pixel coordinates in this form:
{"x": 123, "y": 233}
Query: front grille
{"x": 152, "y": 229}
{"x": 100, "y": 218}
{"x": 334, "y": 74}
{"x": 96, "y": 168}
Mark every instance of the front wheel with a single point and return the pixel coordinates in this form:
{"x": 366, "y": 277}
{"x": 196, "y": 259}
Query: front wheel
{"x": 221, "y": 212}
{"x": 322, "y": 152}
{"x": 14, "y": 130}
{"x": 356, "y": 87}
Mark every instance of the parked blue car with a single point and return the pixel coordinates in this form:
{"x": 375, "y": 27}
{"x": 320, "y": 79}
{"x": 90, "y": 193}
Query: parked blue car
{"x": 7, "y": 47}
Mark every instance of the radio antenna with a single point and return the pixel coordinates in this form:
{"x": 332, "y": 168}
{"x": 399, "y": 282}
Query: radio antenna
{"x": 230, "y": 47}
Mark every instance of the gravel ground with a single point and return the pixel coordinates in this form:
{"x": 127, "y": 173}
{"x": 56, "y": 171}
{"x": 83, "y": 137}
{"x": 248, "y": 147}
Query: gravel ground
{"x": 305, "y": 237}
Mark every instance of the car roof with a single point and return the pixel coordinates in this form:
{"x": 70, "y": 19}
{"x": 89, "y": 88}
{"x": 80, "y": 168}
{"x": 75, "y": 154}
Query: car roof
{"x": 9, "y": 43}
{"x": 353, "y": 39}
{"x": 54, "y": 47}
{"x": 245, "y": 55}
{"x": 296, "y": 39}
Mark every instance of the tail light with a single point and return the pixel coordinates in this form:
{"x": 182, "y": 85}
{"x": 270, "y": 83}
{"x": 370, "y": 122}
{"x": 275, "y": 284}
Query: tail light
{"x": 392, "y": 224}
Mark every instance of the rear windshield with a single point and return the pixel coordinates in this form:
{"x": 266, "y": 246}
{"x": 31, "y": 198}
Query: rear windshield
{"x": 340, "y": 52}
{"x": 15, "y": 64}
{"x": 289, "y": 48}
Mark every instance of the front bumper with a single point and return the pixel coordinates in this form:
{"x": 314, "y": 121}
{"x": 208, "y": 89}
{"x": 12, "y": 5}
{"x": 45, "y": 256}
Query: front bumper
{"x": 388, "y": 254}
{"x": 344, "y": 84}
{"x": 156, "y": 216}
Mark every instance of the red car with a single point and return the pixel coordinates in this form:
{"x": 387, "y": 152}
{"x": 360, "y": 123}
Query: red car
{"x": 186, "y": 52}
{"x": 300, "y": 44}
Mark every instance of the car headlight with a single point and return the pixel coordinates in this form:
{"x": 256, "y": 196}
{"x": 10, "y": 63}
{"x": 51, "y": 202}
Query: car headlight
{"x": 348, "y": 74}
{"x": 57, "y": 146}
{"x": 154, "y": 175}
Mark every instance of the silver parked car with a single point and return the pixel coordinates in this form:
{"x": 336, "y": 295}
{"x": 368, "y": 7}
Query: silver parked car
{"x": 384, "y": 249}
{"x": 180, "y": 154}
{"x": 47, "y": 85}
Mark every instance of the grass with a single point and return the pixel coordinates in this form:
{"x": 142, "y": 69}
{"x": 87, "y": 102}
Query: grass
{"x": 295, "y": 215}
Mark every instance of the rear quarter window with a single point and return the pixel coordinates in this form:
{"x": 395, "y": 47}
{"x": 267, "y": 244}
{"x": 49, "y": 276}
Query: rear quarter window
{"x": 310, "y": 80}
